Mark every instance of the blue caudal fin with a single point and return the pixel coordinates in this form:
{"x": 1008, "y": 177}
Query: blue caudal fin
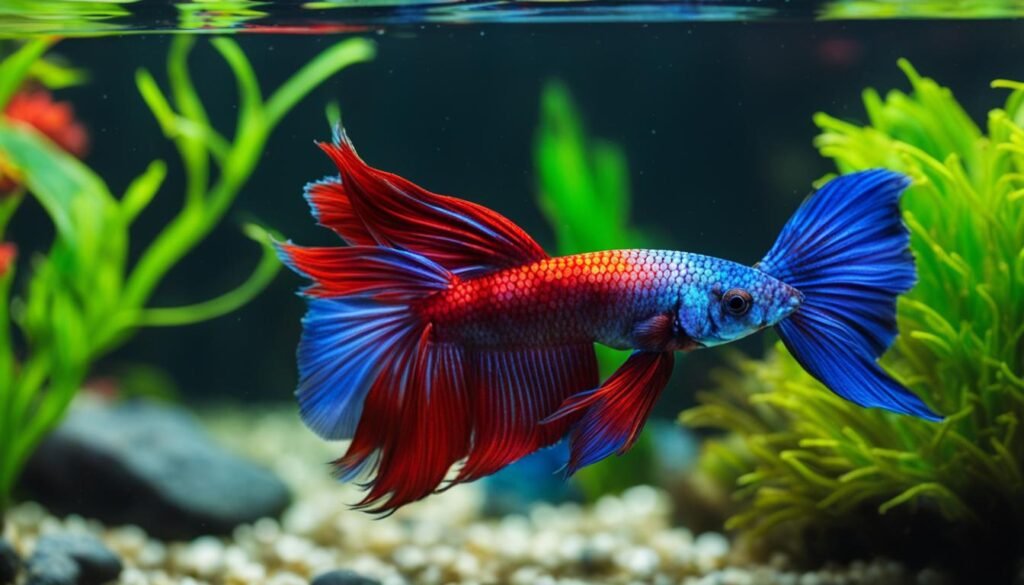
{"x": 847, "y": 251}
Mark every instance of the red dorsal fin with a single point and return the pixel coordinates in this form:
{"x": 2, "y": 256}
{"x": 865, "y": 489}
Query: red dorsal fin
{"x": 464, "y": 237}
{"x": 332, "y": 209}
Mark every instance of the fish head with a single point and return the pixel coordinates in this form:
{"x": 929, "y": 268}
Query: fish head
{"x": 731, "y": 301}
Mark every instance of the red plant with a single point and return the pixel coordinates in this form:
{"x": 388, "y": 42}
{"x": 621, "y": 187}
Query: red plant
{"x": 55, "y": 120}
{"x": 8, "y": 253}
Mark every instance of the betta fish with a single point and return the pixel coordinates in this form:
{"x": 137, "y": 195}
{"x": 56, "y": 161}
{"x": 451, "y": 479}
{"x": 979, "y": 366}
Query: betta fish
{"x": 445, "y": 344}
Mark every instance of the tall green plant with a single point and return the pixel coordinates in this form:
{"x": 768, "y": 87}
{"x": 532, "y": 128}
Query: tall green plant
{"x": 83, "y": 298}
{"x": 802, "y": 457}
{"x": 584, "y": 193}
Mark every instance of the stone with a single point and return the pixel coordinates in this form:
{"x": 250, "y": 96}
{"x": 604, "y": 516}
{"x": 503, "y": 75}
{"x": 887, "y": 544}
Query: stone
{"x": 153, "y": 466}
{"x": 52, "y": 570}
{"x": 343, "y": 577}
{"x": 10, "y": 563}
{"x": 95, "y": 564}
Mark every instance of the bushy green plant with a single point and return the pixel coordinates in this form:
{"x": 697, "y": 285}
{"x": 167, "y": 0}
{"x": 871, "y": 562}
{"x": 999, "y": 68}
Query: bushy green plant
{"x": 83, "y": 297}
{"x": 803, "y": 458}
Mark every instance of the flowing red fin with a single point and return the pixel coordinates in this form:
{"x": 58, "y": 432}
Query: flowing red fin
{"x": 464, "y": 237}
{"x": 332, "y": 209}
{"x": 362, "y": 318}
{"x": 512, "y": 392}
{"x": 383, "y": 273}
{"x": 415, "y": 427}
{"x": 614, "y": 414}
{"x": 437, "y": 404}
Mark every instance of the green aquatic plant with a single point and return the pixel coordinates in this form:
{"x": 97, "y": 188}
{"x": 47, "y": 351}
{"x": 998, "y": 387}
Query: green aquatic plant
{"x": 22, "y": 18}
{"x": 84, "y": 297}
{"x": 892, "y": 9}
{"x": 803, "y": 460}
{"x": 583, "y": 191}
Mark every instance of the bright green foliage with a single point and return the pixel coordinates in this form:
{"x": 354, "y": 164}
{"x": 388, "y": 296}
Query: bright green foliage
{"x": 803, "y": 457}
{"x": 584, "y": 193}
{"x": 583, "y": 190}
{"x": 22, "y": 18}
{"x": 83, "y": 298}
{"x": 893, "y": 9}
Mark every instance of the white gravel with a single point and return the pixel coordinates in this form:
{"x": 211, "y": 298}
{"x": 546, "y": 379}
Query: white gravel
{"x": 443, "y": 540}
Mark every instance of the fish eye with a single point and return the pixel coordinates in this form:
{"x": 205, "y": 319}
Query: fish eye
{"x": 737, "y": 301}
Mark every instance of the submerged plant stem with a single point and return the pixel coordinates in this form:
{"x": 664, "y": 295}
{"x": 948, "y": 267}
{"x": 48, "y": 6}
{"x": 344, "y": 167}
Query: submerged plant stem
{"x": 82, "y": 300}
{"x": 258, "y": 280}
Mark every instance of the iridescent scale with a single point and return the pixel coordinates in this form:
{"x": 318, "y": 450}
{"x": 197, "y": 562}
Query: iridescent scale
{"x": 598, "y": 296}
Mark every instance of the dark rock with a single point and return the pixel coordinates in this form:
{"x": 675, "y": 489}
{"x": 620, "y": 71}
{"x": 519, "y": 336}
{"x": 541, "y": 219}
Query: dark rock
{"x": 96, "y": 563}
{"x": 343, "y": 577}
{"x": 10, "y": 563}
{"x": 149, "y": 465}
{"x": 52, "y": 570}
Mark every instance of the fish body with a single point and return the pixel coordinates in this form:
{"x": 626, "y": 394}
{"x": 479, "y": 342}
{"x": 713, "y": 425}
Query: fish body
{"x": 652, "y": 300}
{"x": 444, "y": 343}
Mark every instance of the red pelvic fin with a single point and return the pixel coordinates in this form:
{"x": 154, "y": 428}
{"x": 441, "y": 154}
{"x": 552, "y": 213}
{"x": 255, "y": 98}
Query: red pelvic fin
{"x": 614, "y": 414}
{"x": 461, "y": 236}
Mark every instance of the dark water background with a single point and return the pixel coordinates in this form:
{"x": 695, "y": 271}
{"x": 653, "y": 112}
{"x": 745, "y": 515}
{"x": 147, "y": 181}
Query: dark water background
{"x": 715, "y": 119}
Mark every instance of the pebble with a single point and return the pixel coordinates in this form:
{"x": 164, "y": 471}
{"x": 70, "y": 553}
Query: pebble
{"x": 446, "y": 539}
{"x": 94, "y": 563}
{"x": 639, "y": 561}
{"x": 203, "y": 557}
{"x": 343, "y": 577}
{"x": 10, "y": 563}
{"x": 286, "y": 579}
{"x": 54, "y": 569}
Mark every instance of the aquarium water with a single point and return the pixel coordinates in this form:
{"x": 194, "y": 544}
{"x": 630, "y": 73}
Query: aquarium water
{"x": 159, "y": 161}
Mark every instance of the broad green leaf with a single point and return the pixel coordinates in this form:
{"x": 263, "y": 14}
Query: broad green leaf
{"x": 81, "y": 207}
{"x": 13, "y": 69}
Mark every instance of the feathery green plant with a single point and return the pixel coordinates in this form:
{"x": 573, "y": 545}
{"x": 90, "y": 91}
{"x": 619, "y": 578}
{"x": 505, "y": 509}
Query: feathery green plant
{"x": 83, "y": 299}
{"x": 804, "y": 458}
{"x": 584, "y": 193}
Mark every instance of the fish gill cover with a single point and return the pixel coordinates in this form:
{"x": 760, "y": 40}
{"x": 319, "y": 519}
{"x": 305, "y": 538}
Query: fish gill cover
{"x": 803, "y": 462}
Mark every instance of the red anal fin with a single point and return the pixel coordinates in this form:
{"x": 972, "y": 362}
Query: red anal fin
{"x": 512, "y": 392}
{"x": 614, "y": 414}
{"x": 461, "y": 236}
{"x": 416, "y": 425}
{"x": 438, "y": 404}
